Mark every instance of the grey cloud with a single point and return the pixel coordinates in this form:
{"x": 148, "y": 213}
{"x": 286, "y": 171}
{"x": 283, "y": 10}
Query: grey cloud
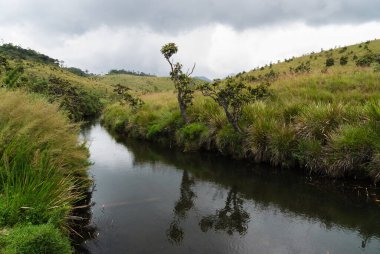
{"x": 173, "y": 16}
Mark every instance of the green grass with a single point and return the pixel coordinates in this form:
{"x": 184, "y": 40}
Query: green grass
{"x": 326, "y": 122}
{"x": 138, "y": 83}
{"x": 43, "y": 167}
{"x": 42, "y": 239}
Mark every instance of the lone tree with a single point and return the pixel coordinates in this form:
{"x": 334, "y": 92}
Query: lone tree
{"x": 182, "y": 81}
{"x": 232, "y": 96}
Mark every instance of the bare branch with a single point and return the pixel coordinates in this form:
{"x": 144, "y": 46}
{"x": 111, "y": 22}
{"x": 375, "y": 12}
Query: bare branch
{"x": 192, "y": 70}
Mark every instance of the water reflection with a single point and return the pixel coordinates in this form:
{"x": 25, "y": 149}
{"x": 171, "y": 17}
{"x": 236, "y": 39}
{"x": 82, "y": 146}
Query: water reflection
{"x": 175, "y": 233}
{"x": 259, "y": 211}
{"x": 231, "y": 218}
{"x": 281, "y": 191}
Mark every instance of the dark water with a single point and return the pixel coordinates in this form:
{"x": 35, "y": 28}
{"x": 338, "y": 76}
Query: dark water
{"x": 155, "y": 200}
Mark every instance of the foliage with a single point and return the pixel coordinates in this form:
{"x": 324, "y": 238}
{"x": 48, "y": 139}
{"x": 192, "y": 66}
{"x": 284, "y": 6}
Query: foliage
{"x": 376, "y": 67}
{"x": 17, "y": 52}
{"x": 12, "y": 75}
{"x": 232, "y": 96}
{"x": 77, "y": 71}
{"x": 343, "y": 60}
{"x": 365, "y": 60}
{"x": 182, "y": 81}
{"x": 126, "y": 97}
{"x": 329, "y": 62}
{"x": 192, "y": 136}
{"x": 31, "y": 239}
{"x": 134, "y": 73}
{"x": 303, "y": 68}
{"x": 79, "y": 103}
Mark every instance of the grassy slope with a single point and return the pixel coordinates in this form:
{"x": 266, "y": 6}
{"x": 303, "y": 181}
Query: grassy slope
{"x": 138, "y": 83}
{"x": 324, "y": 120}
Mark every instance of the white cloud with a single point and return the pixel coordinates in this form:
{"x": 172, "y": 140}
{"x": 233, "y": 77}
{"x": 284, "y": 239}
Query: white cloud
{"x": 217, "y": 49}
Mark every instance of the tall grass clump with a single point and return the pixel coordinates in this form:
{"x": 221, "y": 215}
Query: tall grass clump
{"x": 116, "y": 117}
{"x": 350, "y": 150}
{"x": 43, "y": 166}
{"x": 36, "y": 239}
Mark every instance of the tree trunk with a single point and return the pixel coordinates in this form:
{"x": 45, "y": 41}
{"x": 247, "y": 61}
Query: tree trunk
{"x": 232, "y": 120}
{"x": 182, "y": 108}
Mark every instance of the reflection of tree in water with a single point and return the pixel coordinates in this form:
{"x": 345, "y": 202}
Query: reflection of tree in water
{"x": 232, "y": 218}
{"x": 175, "y": 233}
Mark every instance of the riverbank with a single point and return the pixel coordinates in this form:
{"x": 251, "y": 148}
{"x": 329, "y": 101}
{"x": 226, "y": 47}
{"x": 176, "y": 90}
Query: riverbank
{"x": 43, "y": 174}
{"x": 325, "y": 124}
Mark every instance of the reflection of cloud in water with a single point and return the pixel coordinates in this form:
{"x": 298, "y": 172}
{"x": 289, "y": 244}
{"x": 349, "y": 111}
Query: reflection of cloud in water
{"x": 106, "y": 152}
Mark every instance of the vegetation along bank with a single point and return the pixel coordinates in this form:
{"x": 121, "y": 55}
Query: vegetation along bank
{"x": 319, "y": 112}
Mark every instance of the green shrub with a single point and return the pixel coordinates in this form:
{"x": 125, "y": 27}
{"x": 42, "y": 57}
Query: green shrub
{"x": 166, "y": 125}
{"x": 41, "y": 239}
{"x": 343, "y": 60}
{"x": 330, "y": 62}
{"x": 192, "y": 136}
{"x": 365, "y": 60}
{"x": 230, "y": 142}
{"x": 376, "y": 67}
{"x": 79, "y": 103}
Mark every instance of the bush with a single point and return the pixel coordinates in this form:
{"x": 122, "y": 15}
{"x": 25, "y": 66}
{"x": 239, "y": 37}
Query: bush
{"x": 41, "y": 239}
{"x": 330, "y": 62}
{"x": 376, "y": 67}
{"x": 165, "y": 125}
{"x": 192, "y": 136}
{"x": 365, "y": 60}
{"x": 343, "y": 60}
{"x": 79, "y": 103}
{"x": 230, "y": 142}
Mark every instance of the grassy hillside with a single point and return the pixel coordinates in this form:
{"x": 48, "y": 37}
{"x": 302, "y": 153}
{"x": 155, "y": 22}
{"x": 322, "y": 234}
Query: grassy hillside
{"x": 317, "y": 61}
{"x": 325, "y": 120}
{"x": 138, "y": 83}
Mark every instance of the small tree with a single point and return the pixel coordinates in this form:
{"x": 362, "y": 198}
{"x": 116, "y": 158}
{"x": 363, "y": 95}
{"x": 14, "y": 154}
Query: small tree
{"x": 182, "y": 81}
{"x": 232, "y": 96}
{"x": 125, "y": 97}
{"x": 329, "y": 62}
{"x": 343, "y": 60}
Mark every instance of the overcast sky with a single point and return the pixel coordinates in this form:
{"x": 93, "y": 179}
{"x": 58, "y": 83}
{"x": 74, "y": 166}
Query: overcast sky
{"x": 221, "y": 36}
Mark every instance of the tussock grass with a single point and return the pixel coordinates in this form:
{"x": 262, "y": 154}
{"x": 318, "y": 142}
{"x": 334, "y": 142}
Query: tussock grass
{"x": 41, "y": 239}
{"x": 43, "y": 166}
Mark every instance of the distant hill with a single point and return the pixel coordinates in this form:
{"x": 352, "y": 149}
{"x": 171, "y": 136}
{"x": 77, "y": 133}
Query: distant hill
{"x": 203, "y": 78}
{"x": 134, "y": 73}
{"x": 16, "y": 52}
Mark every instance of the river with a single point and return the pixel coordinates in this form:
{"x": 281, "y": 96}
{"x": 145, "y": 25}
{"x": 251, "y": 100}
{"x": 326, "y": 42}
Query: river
{"x": 149, "y": 199}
